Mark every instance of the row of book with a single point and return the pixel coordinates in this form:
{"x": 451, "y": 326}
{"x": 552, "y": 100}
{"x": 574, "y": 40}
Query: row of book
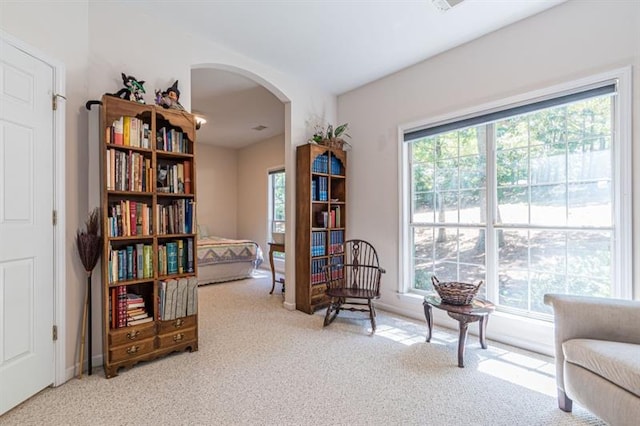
{"x": 321, "y": 164}
{"x": 336, "y": 241}
{"x": 174, "y": 178}
{"x": 129, "y": 218}
{"x": 130, "y": 262}
{"x": 337, "y": 272}
{"x": 172, "y": 140}
{"x": 330, "y": 219}
{"x": 176, "y": 218}
{"x": 177, "y": 298}
{"x": 317, "y": 271}
{"x": 127, "y": 309}
{"x": 129, "y": 131}
{"x": 318, "y": 243}
{"x": 128, "y": 171}
{"x": 176, "y": 257}
{"x": 319, "y": 188}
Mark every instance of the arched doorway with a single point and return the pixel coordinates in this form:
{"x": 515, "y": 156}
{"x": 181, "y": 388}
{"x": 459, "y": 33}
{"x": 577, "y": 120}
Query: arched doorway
{"x": 242, "y": 111}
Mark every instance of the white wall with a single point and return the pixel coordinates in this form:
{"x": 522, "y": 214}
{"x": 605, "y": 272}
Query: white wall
{"x": 254, "y": 163}
{"x": 217, "y": 189}
{"x": 97, "y": 40}
{"x": 576, "y": 39}
{"x": 59, "y": 30}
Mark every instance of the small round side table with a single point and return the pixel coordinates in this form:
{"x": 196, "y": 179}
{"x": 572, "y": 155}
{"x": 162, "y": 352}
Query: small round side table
{"x": 477, "y": 310}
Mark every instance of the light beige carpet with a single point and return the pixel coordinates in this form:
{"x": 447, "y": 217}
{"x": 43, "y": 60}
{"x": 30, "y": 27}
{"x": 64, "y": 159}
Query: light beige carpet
{"x": 260, "y": 364}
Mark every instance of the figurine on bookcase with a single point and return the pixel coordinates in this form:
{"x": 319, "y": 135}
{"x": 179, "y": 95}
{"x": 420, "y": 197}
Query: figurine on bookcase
{"x": 132, "y": 90}
{"x": 170, "y": 98}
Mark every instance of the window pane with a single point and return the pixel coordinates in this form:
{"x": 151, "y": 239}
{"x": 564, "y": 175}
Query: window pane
{"x": 423, "y": 207}
{"x": 447, "y": 174}
{"x": 590, "y": 204}
{"x": 422, "y": 258}
{"x": 548, "y": 205}
{"x": 548, "y": 251}
{"x": 589, "y": 255}
{"x": 513, "y": 289}
{"x": 513, "y": 205}
{"x": 472, "y": 206}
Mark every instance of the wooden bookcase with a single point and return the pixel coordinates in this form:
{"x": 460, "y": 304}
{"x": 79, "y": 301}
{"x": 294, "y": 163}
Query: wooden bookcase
{"x": 321, "y": 201}
{"x": 148, "y": 205}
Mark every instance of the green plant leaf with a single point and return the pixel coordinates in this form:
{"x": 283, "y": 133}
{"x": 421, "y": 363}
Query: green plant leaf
{"x": 341, "y": 129}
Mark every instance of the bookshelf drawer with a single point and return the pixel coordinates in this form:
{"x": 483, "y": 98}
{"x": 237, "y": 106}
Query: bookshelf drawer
{"x": 175, "y": 338}
{"x": 132, "y": 334}
{"x": 177, "y": 324}
{"x": 131, "y": 350}
{"x": 318, "y": 290}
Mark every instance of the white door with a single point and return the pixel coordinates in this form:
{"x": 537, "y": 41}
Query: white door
{"x": 26, "y": 228}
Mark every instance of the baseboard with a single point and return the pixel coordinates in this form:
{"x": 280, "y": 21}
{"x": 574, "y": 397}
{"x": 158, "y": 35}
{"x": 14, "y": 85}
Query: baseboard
{"x": 72, "y": 371}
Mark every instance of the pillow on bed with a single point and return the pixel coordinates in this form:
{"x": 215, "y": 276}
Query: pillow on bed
{"x": 203, "y": 232}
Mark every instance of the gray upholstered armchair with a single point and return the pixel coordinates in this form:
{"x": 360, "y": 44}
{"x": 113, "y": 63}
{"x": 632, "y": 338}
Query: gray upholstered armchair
{"x": 597, "y": 345}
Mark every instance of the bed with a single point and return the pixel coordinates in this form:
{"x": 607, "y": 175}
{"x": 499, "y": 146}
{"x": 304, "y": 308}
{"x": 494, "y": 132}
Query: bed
{"x": 223, "y": 259}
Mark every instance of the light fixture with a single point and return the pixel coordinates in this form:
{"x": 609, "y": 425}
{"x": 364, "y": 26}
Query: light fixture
{"x": 444, "y": 5}
{"x": 200, "y": 121}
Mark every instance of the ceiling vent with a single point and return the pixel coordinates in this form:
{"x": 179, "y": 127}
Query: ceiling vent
{"x": 259, "y": 128}
{"x": 444, "y": 5}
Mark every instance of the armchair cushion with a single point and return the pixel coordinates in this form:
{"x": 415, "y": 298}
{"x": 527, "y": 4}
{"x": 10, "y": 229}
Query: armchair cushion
{"x": 616, "y": 362}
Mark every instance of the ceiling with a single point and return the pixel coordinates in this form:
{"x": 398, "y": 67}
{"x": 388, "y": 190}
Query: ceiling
{"x": 335, "y": 45}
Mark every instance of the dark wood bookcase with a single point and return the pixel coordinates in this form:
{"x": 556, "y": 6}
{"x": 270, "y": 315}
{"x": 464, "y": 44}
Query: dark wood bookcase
{"x": 321, "y": 201}
{"x": 148, "y": 204}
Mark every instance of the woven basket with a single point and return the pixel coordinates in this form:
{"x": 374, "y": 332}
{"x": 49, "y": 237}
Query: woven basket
{"x": 455, "y": 293}
{"x": 332, "y": 143}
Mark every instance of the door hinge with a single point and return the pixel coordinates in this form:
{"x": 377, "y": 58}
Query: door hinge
{"x": 54, "y": 100}
{"x": 55, "y": 217}
{"x": 55, "y": 333}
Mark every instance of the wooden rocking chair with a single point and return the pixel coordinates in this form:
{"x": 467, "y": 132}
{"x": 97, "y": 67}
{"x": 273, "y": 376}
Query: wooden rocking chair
{"x": 353, "y": 281}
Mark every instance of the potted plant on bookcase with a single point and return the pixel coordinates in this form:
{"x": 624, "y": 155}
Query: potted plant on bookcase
{"x": 89, "y": 248}
{"x": 331, "y": 137}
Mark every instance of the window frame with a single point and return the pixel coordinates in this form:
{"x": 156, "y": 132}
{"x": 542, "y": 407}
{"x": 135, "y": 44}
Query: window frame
{"x": 621, "y": 177}
{"x": 271, "y": 206}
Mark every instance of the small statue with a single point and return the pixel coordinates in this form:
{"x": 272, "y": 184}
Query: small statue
{"x": 132, "y": 90}
{"x": 170, "y": 98}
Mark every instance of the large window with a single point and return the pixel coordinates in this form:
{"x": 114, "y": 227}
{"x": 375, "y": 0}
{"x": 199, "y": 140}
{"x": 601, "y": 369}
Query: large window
{"x": 523, "y": 198}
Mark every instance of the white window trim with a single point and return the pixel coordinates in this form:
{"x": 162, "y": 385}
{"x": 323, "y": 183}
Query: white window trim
{"x": 505, "y": 324}
{"x": 270, "y": 171}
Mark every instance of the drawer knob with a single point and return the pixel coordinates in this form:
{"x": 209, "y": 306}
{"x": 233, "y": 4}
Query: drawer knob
{"x": 132, "y": 335}
{"x": 178, "y": 323}
{"x": 178, "y": 337}
{"x": 133, "y": 349}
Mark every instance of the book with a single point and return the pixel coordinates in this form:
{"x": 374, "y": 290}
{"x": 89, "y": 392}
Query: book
{"x": 171, "y": 298}
{"x": 187, "y": 177}
{"x": 192, "y": 296}
{"x": 172, "y": 257}
{"x": 140, "y": 261}
{"x": 118, "y": 131}
{"x": 181, "y": 302}
{"x": 114, "y": 308}
{"x": 190, "y": 255}
{"x": 162, "y": 290}
{"x": 140, "y": 321}
{"x": 126, "y": 131}
{"x": 122, "y": 306}
{"x": 181, "y": 256}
